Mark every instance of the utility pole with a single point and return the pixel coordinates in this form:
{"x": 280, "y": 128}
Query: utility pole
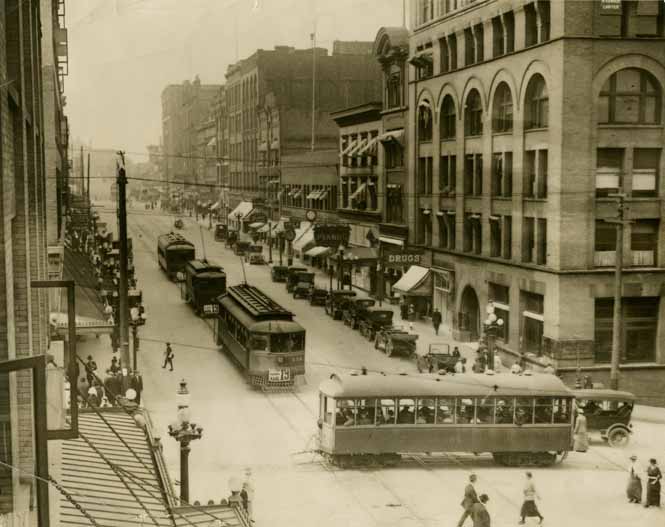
{"x": 88, "y": 189}
{"x": 123, "y": 314}
{"x": 617, "y": 320}
{"x": 313, "y": 36}
{"x": 82, "y": 174}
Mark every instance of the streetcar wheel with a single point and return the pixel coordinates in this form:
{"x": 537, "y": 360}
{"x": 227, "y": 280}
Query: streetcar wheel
{"x": 618, "y": 437}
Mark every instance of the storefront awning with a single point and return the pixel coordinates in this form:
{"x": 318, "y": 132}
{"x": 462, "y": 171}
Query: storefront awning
{"x": 360, "y": 254}
{"x": 304, "y": 241}
{"x": 256, "y": 225}
{"x": 243, "y": 209}
{"x": 371, "y": 144}
{"x": 393, "y": 135}
{"x": 216, "y": 205}
{"x": 391, "y": 240}
{"x": 212, "y": 142}
{"x": 349, "y": 147}
{"x": 358, "y": 191}
{"x": 358, "y": 146}
{"x": 415, "y": 282}
{"x": 318, "y": 251}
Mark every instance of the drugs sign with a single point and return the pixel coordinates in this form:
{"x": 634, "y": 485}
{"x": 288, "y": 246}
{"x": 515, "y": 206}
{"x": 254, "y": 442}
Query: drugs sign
{"x": 401, "y": 259}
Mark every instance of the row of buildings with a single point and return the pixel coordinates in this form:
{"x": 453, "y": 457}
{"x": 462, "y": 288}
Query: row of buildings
{"x": 487, "y": 143}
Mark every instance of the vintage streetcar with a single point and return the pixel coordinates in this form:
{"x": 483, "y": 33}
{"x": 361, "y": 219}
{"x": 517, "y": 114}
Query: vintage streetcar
{"x": 607, "y": 412}
{"x": 173, "y": 253}
{"x": 261, "y": 337}
{"x": 372, "y": 419}
{"x": 204, "y": 282}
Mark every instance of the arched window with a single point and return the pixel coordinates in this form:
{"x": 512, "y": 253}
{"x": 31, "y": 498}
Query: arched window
{"x": 537, "y": 104}
{"x": 448, "y": 118}
{"x": 502, "y": 120}
{"x": 394, "y": 86}
{"x": 424, "y": 121}
{"x": 630, "y": 96}
{"x": 473, "y": 114}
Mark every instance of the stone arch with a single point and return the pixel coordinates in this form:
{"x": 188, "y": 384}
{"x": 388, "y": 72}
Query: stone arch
{"x": 469, "y": 312}
{"x": 537, "y": 66}
{"x": 507, "y": 77}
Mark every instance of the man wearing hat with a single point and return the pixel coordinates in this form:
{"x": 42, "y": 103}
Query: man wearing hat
{"x": 90, "y": 368}
{"x": 634, "y": 488}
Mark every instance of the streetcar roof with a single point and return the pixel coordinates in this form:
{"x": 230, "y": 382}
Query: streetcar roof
{"x": 597, "y": 394}
{"x": 450, "y": 385}
{"x": 199, "y": 266}
{"x": 277, "y": 326}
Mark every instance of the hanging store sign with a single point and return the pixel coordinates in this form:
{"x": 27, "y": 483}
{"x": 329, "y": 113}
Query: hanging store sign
{"x": 610, "y": 5}
{"x": 401, "y": 259}
{"x": 332, "y": 235}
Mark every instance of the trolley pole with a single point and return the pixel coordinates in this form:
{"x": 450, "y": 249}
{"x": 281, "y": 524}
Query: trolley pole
{"x": 123, "y": 314}
{"x": 380, "y": 277}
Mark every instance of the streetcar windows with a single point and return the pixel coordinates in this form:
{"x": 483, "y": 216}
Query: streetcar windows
{"x": 285, "y": 343}
{"x": 485, "y": 411}
{"x": 562, "y": 408}
{"x": 425, "y": 411}
{"x": 464, "y": 412}
{"x": 258, "y": 343}
{"x": 504, "y": 411}
{"x": 523, "y": 411}
{"x": 445, "y": 412}
{"x": 328, "y": 407}
{"x": 346, "y": 412}
{"x": 365, "y": 409}
{"x": 386, "y": 414}
{"x": 407, "y": 412}
{"x": 543, "y": 412}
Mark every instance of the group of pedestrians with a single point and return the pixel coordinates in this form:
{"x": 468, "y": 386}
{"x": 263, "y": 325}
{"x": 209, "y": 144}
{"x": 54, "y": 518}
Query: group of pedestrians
{"x": 653, "y": 486}
{"x": 474, "y": 504}
{"x": 100, "y": 393}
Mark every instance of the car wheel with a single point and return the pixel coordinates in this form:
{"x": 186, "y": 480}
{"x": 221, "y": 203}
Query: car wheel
{"x": 618, "y": 437}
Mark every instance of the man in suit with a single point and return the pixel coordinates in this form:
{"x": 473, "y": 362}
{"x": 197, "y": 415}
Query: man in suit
{"x": 470, "y": 498}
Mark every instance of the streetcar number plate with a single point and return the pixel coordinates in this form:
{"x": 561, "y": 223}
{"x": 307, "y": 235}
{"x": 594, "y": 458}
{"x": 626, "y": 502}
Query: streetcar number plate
{"x": 210, "y": 308}
{"x": 279, "y": 375}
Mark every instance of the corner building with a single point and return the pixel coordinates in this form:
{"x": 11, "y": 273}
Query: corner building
{"x": 525, "y": 116}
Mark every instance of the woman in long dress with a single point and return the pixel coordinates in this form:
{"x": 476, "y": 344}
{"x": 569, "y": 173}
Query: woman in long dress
{"x": 654, "y": 475}
{"x": 634, "y": 488}
{"x": 580, "y": 437}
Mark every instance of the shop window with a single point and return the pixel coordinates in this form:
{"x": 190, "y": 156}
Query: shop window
{"x": 448, "y": 118}
{"x": 448, "y": 176}
{"x": 532, "y": 321}
{"x": 630, "y": 96}
{"x": 537, "y": 103}
{"x": 646, "y": 162}
{"x": 644, "y": 242}
{"x": 528, "y": 240}
{"x": 473, "y": 114}
{"x": 424, "y": 122}
{"x": 609, "y": 166}
{"x": 502, "y": 120}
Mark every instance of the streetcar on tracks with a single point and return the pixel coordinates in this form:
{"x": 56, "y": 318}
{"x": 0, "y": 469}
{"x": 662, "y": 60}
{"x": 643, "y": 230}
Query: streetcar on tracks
{"x": 173, "y": 253}
{"x": 261, "y": 336}
{"x": 204, "y": 282}
{"x": 372, "y": 419}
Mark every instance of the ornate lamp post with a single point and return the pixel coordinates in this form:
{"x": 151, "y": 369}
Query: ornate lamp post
{"x": 340, "y": 267}
{"x": 184, "y": 433}
{"x": 492, "y": 325}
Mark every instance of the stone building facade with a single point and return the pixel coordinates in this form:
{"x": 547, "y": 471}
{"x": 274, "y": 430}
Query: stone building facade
{"x": 526, "y": 116}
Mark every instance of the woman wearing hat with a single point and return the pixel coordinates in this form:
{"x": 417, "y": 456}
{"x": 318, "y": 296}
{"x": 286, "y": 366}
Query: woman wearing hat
{"x": 580, "y": 439}
{"x": 634, "y": 488}
{"x": 654, "y": 475}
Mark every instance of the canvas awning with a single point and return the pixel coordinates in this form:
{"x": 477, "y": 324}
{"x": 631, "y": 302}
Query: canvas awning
{"x": 369, "y": 146}
{"x": 304, "y": 241}
{"x": 352, "y": 144}
{"x": 243, "y": 209}
{"x": 358, "y": 191}
{"x": 318, "y": 251}
{"x": 415, "y": 282}
{"x": 358, "y": 146}
{"x": 256, "y": 225}
{"x": 212, "y": 142}
{"x": 216, "y": 205}
{"x": 393, "y": 135}
{"x": 360, "y": 254}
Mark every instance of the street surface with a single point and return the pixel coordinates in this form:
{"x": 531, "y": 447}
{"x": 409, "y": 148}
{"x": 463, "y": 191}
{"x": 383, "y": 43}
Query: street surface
{"x": 273, "y": 434}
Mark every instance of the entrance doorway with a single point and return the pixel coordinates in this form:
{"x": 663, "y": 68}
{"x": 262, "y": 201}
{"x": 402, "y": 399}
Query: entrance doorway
{"x": 469, "y": 315}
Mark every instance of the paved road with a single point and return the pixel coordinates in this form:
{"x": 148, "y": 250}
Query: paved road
{"x": 269, "y": 433}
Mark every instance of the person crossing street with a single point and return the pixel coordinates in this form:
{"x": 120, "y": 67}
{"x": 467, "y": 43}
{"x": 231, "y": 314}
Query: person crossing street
{"x": 168, "y": 356}
{"x": 436, "y": 320}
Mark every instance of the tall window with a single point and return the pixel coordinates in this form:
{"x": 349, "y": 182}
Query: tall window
{"x": 646, "y": 162}
{"x": 394, "y": 205}
{"x": 473, "y": 114}
{"x": 530, "y": 25}
{"x": 644, "y": 242}
{"x": 495, "y": 236}
{"x": 537, "y": 103}
{"x": 609, "y": 166}
{"x": 425, "y": 175}
{"x": 472, "y": 234}
{"x": 479, "y": 32}
{"x": 448, "y": 175}
{"x": 528, "y": 239}
{"x": 424, "y": 122}
{"x": 507, "y": 237}
{"x": 448, "y": 118}
{"x": 535, "y": 174}
{"x": 452, "y": 47}
{"x": 502, "y": 120}
{"x": 509, "y": 31}
{"x": 541, "y": 241}
{"x": 499, "y": 295}
{"x": 532, "y": 321}
{"x": 502, "y": 174}
{"x": 469, "y": 47}
{"x": 394, "y": 154}
{"x": 498, "y": 37}
{"x": 605, "y": 244}
{"x": 394, "y": 86}
{"x": 473, "y": 175}
{"x": 444, "y": 53}
{"x": 447, "y": 230}
{"x": 630, "y": 96}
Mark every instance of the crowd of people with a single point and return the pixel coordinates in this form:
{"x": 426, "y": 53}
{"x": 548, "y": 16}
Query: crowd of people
{"x": 117, "y": 387}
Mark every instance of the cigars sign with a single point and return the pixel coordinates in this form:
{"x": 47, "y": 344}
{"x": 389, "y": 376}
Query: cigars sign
{"x": 401, "y": 259}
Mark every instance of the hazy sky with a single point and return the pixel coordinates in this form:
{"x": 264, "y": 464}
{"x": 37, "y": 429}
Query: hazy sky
{"x": 123, "y": 52}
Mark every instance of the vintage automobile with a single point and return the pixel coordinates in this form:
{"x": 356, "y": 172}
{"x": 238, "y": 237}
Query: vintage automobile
{"x": 351, "y": 309}
{"x": 607, "y": 412}
{"x": 336, "y": 301}
{"x": 256, "y": 259}
{"x": 278, "y": 273}
{"x": 254, "y": 255}
{"x": 437, "y": 358}
{"x": 241, "y": 248}
{"x": 317, "y": 296}
{"x": 395, "y": 340}
{"x": 304, "y": 282}
{"x": 292, "y": 278}
{"x": 369, "y": 320}
{"x": 221, "y": 232}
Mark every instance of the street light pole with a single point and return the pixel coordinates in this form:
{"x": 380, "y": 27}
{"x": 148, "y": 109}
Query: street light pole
{"x": 492, "y": 324}
{"x": 123, "y": 304}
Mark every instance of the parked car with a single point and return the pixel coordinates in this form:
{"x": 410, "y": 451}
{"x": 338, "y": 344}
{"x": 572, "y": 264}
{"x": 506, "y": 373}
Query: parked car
{"x": 221, "y": 232}
{"x": 253, "y": 249}
{"x": 607, "y": 412}
{"x": 394, "y": 340}
{"x": 317, "y": 296}
{"x": 278, "y": 273}
{"x": 437, "y": 358}
{"x": 291, "y": 277}
{"x": 350, "y": 311}
{"x": 336, "y": 301}
{"x": 373, "y": 319}
{"x": 305, "y": 281}
{"x": 240, "y": 248}
{"x": 256, "y": 259}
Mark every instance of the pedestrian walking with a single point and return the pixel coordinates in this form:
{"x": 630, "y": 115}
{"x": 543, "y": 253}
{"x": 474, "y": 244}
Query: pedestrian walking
{"x": 168, "y": 356}
{"x": 580, "y": 439}
{"x": 654, "y": 475}
{"x": 479, "y": 514}
{"x": 90, "y": 368}
{"x": 403, "y": 309}
{"x": 436, "y": 320}
{"x": 412, "y": 312}
{"x": 634, "y": 488}
{"x": 470, "y": 498}
{"x": 136, "y": 384}
{"x": 456, "y": 352}
{"x": 529, "y": 507}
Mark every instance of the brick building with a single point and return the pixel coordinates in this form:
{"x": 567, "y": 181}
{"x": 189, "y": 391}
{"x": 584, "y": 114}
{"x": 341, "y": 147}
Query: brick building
{"x": 269, "y": 112}
{"x": 23, "y": 232}
{"x": 184, "y": 108}
{"x": 525, "y": 116}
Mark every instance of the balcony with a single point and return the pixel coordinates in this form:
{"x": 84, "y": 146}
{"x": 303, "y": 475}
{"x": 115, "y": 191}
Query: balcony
{"x": 604, "y": 258}
{"x": 643, "y": 258}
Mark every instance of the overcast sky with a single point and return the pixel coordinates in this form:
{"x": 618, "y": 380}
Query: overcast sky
{"x": 123, "y": 52}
